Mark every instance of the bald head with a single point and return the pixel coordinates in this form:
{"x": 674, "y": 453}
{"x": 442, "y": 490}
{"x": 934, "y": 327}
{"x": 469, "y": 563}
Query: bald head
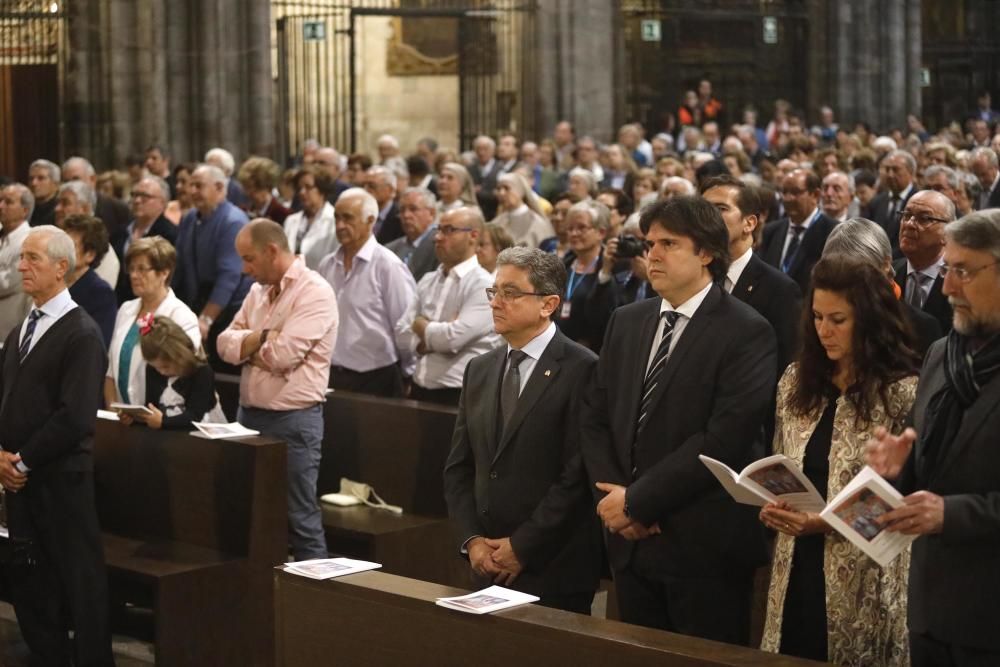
{"x": 921, "y": 227}
{"x": 264, "y": 232}
{"x": 263, "y": 247}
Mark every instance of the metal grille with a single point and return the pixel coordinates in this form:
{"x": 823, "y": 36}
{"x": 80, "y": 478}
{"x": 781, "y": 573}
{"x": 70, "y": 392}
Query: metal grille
{"x": 316, "y": 53}
{"x": 32, "y": 49}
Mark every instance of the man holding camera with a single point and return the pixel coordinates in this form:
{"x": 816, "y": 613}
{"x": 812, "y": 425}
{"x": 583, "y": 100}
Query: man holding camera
{"x": 624, "y": 262}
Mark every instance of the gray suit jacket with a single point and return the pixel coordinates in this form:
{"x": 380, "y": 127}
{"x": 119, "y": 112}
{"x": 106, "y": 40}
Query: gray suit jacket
{"x": 420, "y": 260}
{"x": 954, "y": 575}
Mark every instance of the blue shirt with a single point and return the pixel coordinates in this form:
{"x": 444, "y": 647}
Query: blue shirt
{"x": 212, "y": 267}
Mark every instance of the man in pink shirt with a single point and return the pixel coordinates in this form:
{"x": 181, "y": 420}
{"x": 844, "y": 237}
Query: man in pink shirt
{"x": 283, "y": 336}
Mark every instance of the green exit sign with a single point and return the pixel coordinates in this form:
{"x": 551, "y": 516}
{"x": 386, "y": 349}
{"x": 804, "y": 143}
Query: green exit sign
{"x": 651, "y": 30}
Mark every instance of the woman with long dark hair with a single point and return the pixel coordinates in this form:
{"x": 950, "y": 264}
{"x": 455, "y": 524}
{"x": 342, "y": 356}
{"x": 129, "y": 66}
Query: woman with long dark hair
{"x": 855, "y": 372}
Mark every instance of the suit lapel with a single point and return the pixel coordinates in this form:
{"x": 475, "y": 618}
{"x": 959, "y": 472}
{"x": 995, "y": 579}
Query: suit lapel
{"x": 744, "y": 287}
{"x": 773, "y": 254}
{"x": 542, "y": 376}
{"x": 974, "y": 417}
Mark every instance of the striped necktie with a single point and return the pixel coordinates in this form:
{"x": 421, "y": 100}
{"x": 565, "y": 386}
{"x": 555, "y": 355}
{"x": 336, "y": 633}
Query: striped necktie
{"x": 656, "y": 369}
{"x": 29, "y": 331}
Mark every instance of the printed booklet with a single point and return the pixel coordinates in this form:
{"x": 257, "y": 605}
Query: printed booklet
{"x": 327, "y": 568}
{"x": 487, "y": 600}
{"x": 768, "y": 480}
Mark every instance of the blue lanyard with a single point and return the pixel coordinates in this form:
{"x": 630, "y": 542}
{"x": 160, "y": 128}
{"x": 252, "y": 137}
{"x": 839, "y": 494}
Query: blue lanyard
{"x": 573, "y": 283}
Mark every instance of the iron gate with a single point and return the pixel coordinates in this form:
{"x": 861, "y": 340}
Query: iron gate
{"x": 316, "y": 74}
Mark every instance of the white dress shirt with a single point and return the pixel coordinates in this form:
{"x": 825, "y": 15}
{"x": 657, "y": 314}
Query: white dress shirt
{"x": 371, "y": 298}
{"x": 171, "y": 307}
{"x": 686, "y": 311}
{"x": 52, "y": 310}
{"x": 925, "y": 286}
{"x": 460, "y": 328}
{"x": 534, "y": 349}
{"x": 320, "y": 239}
{"x": 736, "y": 268}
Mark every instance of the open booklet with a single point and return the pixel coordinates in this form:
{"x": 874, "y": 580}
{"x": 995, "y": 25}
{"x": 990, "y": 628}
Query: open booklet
{"x": 131, "y": 410}
{"x": 854, "y": 512}
{"x": 768, "y": 480}
{"x": 216, "y": 431}
{"x": 487, "y": 600}
{"x": 327, "y": 568}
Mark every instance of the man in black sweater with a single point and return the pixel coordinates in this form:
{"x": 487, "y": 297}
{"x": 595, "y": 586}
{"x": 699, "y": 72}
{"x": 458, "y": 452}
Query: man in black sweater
{"x": 51, "y": 371}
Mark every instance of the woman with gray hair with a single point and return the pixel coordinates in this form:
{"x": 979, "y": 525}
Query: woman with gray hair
{"x": 582, "y": 315}
{"x": 455, "y": 188}
{"x": 866, "y": 241}
{"x": 519, "y": 212}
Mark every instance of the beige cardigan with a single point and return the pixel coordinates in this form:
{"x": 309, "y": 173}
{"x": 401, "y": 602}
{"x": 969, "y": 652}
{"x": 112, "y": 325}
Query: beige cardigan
{"x": 866, "y": 605}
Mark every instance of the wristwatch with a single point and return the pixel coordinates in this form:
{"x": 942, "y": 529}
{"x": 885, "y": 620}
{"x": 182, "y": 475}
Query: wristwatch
{"x": 206, "y": 319}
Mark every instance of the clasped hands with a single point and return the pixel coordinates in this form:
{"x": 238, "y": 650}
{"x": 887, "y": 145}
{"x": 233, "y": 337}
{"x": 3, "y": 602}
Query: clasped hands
{"x": 611, "y": 509}
{"x": 494, "y": 558}
{"x": 12, "y": 479}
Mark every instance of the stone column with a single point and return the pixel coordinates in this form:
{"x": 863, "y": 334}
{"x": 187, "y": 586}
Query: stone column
{"x": 189, "y": 74}
{"x": 579, "y": 65}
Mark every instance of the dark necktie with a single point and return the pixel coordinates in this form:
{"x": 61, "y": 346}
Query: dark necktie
{"x": 915, "y": 290}
{"x": 656, "y": 369}
{"x": 511, "y": 388}
{"x": 793, "y": 247}
{"x": 29, "y": 331}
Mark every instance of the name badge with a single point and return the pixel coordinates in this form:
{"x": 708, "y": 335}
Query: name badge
{"x": 566, "y": 309}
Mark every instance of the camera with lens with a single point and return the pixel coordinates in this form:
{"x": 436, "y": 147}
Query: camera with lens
{"x": 630, "y": 246}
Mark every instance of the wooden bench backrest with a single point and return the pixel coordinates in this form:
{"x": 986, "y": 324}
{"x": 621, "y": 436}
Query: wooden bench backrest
{"x": 224, "y": 495}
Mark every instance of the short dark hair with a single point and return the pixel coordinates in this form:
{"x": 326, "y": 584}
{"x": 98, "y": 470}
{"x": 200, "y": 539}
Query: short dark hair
{"x": 746, "y": 198}
{"x": 865, "y": 177}
{"x": 93, "y": 235}
{"x": 135, "y": 160}
{"x": 710, "y": 169}
{"x": 696, "y": 219}
{"x": 417, "y": 166}
{"x": 160, "y": 148}
{"x": 623, "y": 203}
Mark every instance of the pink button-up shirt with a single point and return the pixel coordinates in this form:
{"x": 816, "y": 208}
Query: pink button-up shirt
{"x": 291, "y": 370}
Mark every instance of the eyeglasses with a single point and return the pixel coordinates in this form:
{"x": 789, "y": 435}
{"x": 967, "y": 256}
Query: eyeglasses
{"x": 140, "y": 269}
{"x": 509, "y": 293}
{"x": 962, "y": 274}
{"x": 143, "y": 196}
{"x": 448, "y": 230}
{"x": 920, "y": 219}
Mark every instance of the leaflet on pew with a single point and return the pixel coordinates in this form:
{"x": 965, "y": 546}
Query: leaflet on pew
{"x": 327, "y": 568}
{"x": 853, "y": 512}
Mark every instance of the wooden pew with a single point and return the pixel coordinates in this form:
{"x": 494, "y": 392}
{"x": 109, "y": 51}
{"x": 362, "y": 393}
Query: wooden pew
{"x": 374, "y": 618}
{"x": 192, "y": 529}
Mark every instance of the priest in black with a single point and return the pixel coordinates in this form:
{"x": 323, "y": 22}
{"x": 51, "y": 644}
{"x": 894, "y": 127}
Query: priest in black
{"x": 51, "y": 372}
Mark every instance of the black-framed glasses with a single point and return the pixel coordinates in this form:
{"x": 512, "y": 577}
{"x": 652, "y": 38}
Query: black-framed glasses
{"x": 920, "y": 219}
{"x": 509, "y": 293}
{"x": 448, "y": 230}
{"x": 962, "y": 274}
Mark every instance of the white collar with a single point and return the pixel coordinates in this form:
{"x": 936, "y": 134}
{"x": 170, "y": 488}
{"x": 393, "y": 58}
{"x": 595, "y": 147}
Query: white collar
{"x": 689, "y": 307}
{"x": 737, "y": 266}
{"x": 57, "y": 305}
{"x": 520, "y": 210}
{"x": 805, "y": 224}
{"x": 462, "y": 268}
{"x": 536, "y": 346}
{"x": 933, "y": 270}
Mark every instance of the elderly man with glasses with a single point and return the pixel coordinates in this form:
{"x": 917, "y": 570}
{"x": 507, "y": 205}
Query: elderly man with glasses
{"x": 147, "y": 204}
{"x": 921, "y": 240}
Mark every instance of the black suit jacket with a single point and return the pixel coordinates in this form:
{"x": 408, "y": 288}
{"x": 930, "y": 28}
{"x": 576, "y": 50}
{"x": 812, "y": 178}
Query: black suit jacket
{"x": 994, "y": 200}
{"x": 160, "y": 227}
{"x": 421, "y": 260}
{"x": 486, "y": 182}
{"x": 391, "y": 228}
{"x": 712, "y": 398}
{"x": 528, "y": 484}
{"x": 810, "y": 247}
{"x": 115, "y": 216}
{"x": 879, "y": 209}
{"x": 778, "y": 299}
{"x": 936, "y": 305}
{"x": 954, "y": 580}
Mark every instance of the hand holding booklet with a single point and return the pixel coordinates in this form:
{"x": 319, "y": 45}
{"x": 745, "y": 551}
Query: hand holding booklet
{"x": 487, "y": 600}
{"x": 766, "y": 481}
{"x": 131, "y": 410}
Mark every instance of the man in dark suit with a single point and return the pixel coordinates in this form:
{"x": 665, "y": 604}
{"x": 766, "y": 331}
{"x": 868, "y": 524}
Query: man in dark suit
{"x": 983, "y": 164}
{"x": 690, "y": 373}
{"x": 794, "y": 243}
{"x": 381, "y": 183}
{"x": 113, "y": 213}
{"x": 897, "y": 172}
{"x": 921, "y": 240}
{"x": 750, "y": 279}
{"x": 949, "y": 464}
{"x": 148, "y": 204}
{"x": 417, "y": 216}
{"x": 484, "y": 171}
{"x": 514, "y": 481}
{"x": 51, "y": 371}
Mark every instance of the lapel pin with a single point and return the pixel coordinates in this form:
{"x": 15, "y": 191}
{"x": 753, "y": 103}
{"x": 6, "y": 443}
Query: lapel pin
{"x": 750, "y": 288}
{"x": 548, "y": 373}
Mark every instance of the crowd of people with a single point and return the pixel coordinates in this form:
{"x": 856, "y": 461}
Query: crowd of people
{"x": 600, "y": 314}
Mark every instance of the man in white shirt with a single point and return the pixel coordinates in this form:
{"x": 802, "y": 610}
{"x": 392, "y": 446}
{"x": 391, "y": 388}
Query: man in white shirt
{"x": 374, "y": 289}
{"x": 450, "y": 322}
{"x": 16, "y": 205}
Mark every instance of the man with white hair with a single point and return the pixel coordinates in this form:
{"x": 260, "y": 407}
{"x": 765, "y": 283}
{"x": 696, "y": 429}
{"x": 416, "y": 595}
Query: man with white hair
{"x": 16, "y": 203}
{"x": 837, "y": 198}
{"x": 374, "y": 289}
{"x": 148, "y": 203}
{"x": 223, "y": 159}
{"x": 983, "y": 164}
{"x": 328, "y": 159}
{"x": 209, "y": 276}
{"x": 77, "y": 198}
{"x": 52, "y": 367}
{"x": 43, "y": 179}
{"x": 485, "y": 170}
{"x": 382, "y": 183}
{"x": 417, "y": 215}
{"x": 112, "y": 212}
{"x": 897, "y": 172}
{"x": 675, "y": 186}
